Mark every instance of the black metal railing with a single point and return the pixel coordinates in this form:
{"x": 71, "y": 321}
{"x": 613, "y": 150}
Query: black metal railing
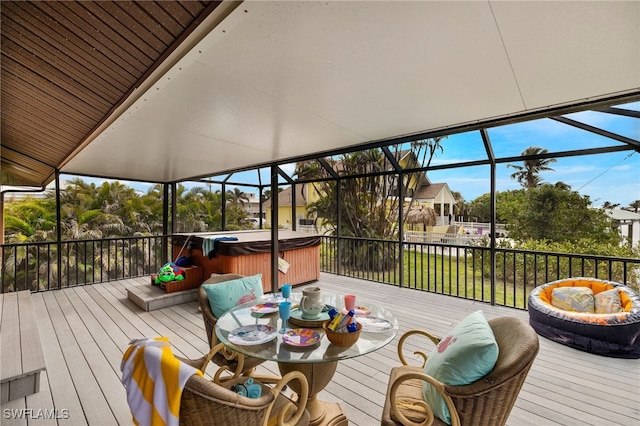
{"x": 465, "y": 271}
{"x": 48, "y": 265}
{"x": 455, "y": 270}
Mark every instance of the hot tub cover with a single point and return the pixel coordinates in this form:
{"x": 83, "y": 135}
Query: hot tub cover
{"x": 615, "y": 334}
{"x": 250, "y": 242}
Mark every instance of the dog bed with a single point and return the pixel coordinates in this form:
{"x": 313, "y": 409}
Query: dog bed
{"x": 567, "y": 319}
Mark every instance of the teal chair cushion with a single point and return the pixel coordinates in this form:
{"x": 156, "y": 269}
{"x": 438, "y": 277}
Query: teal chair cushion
{"x": 467, "y": 353}
{"x": 227, "y": 294}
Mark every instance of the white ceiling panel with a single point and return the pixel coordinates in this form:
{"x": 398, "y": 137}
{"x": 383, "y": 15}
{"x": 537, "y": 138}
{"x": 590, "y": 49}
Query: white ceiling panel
{"x": 375, "y": 70}
{"x": 155, "y": 157}
{"x": 276, "y": 80}
{"x": 565, "y": 50}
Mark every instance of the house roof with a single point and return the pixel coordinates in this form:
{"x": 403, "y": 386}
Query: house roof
{"x": 284, "y": 197}
{"x": 429, "y": 191}
{"x": 163, "y": 91}
{"x": 624, "y": 215}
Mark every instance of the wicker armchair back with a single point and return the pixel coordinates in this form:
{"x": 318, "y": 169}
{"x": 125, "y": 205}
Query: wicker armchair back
{"x": 212, "y": 402}
{"x": 485, "y": 402}
{"x": 225, "y": 357}
{"x": 203, "y": 300}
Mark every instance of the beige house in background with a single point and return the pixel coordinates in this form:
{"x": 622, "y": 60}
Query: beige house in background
{"x": 305, "y": 194}
{"x": 420, "y": 190}
{"x": 628, "y": 224}
{"x": 437, "y": 196}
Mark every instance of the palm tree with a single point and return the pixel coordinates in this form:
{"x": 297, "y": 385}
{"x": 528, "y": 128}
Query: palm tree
{"x": 193, "y": 209}
{"x": 97, "y": 212}
{"x": 562, "y": 185}
{"x": 460, "y": 206}
{"x": 424, "y": 151}
{"x": 30, "y": 220}
{"x": 610, "y": 205}
{"x": 237, "y": 197}
{"x": 528, "y": 175}
{"x": 635, "y": 205}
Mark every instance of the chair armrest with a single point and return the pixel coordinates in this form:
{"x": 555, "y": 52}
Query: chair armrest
{"x": 439, "y": 386}
{"x": 290, "y": 406}
{"x": 203, "y": 362}
{"x": 410, "y": 333}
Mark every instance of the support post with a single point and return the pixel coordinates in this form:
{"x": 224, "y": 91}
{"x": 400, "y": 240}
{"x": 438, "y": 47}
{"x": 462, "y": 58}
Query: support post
{"x": 401, "y": 194}
{"x": 274, "y": 229}
{"x": 1, "y": 217}
{"x": 339, "y": 226}
{"x": 174, "y": 209}
{"x": 492, "y": 213}
{"x": 58, "y": 229}
{"x": 294, "y": 226}
{"x": 164, "y": 246}
{"x": 223, "y": 202}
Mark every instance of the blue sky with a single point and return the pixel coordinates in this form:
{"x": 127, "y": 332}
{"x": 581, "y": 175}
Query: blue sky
{"x": 613, "y": 177}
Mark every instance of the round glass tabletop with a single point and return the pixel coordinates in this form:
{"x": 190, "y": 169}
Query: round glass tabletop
{"x": 379, "y": 328}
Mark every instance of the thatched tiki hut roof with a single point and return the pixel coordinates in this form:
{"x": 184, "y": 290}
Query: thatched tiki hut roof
{"x": 425, "y": 215}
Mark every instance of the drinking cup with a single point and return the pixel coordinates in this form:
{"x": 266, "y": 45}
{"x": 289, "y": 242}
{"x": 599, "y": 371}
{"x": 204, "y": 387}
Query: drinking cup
{"x": 350, "y": 302}
{"x": 285, "y": 312}
{"x": 286, "y": 291}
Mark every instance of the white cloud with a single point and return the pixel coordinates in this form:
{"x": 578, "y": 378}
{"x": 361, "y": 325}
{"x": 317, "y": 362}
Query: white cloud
{"x": 463, "y": 179}
{"x": 570, "y": 170}
{"x": 289, "y": 168}
{"x": 624, "y": 168}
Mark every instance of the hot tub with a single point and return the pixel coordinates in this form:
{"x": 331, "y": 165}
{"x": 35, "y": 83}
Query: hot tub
{"x": 251, "y": 254}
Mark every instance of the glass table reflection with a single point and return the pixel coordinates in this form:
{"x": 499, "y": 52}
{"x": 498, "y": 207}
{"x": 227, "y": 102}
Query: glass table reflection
{"x": 319, "y": 361}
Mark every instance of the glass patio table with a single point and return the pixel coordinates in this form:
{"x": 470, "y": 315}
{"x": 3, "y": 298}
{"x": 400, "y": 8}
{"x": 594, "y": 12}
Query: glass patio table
{"x": 317, "y": 361}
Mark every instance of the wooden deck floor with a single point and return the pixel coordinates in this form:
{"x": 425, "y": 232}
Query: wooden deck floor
{"x": 85, "y": 330}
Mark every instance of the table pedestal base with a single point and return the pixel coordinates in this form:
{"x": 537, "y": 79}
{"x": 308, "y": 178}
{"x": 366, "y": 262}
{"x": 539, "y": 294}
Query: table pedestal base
{"x": 318, "y": 376}
{"x": 331, "y": 414}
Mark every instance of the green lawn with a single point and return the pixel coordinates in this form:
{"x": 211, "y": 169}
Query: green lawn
{"x": 438, "y": 273}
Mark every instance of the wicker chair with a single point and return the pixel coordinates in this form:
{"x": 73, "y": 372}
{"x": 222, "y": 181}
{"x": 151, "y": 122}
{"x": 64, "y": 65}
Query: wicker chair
{"x": 211, "y": 403}
{"x": 487, "y": 401}
{"x": 226, "y": 357}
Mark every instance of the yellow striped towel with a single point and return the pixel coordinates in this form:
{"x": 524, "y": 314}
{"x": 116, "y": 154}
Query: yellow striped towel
{"x": 154, "y": 379}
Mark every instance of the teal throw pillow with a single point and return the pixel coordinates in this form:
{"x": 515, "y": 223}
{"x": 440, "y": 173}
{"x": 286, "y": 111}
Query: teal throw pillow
{"x": 227, "y": 294}
{"x": 466, "y": 354}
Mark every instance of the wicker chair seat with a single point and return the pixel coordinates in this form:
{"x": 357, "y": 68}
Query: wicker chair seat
{"x": 408, "y": 396}
{"x": 250, "y": 363}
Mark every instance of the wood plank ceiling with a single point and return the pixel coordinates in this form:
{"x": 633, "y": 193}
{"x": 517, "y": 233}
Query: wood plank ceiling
{"x": 67, "y": 64}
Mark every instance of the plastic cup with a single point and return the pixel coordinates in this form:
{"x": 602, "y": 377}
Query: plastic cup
{"x": 286, "y": 291}
{"x": 285, "y": 312}
{"x": 350, "y": 302}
